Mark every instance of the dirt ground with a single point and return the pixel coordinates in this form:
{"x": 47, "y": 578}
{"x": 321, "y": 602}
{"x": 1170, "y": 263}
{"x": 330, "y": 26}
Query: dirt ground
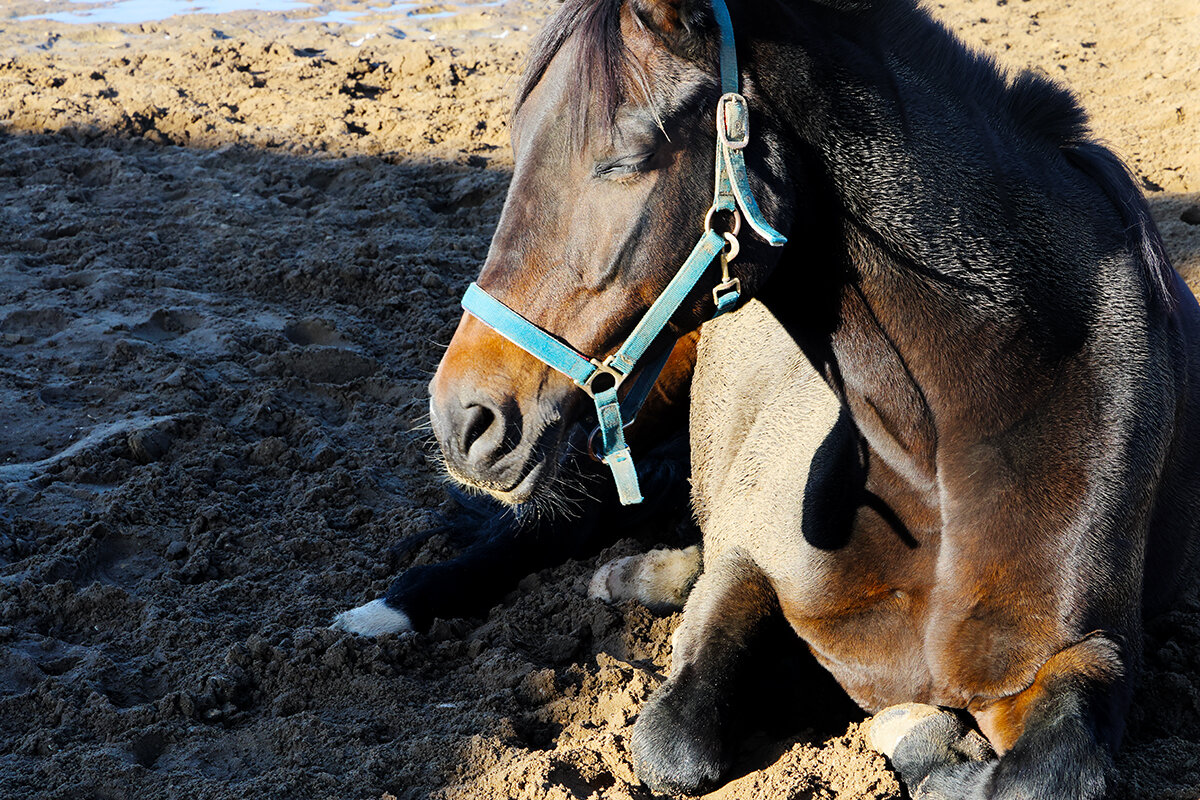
{"x": 231, "y": 250}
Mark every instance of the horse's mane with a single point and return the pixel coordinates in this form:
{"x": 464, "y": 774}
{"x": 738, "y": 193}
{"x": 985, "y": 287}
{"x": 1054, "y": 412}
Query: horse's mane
{"x": 1039, "y": 107}
{"x": 1032, "y": 103}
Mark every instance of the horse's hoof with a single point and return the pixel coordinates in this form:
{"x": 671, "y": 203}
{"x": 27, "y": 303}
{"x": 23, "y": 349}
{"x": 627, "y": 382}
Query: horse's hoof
{"x": 659, "y": 579}
{"x": 677, "y": 745}
{"x": 919, "y": 738}
{"x": 373, "y": 619}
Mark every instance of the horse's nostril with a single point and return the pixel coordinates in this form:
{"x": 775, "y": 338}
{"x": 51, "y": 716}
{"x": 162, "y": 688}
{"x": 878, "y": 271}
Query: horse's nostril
{"x": 477, "y": 419}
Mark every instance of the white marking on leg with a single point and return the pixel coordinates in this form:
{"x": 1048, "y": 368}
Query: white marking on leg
{"x": 373, "y": 619}
{"x": 887, "y": 728}
{"x": 599, "y": 589}
{"x": 659, "y": 579}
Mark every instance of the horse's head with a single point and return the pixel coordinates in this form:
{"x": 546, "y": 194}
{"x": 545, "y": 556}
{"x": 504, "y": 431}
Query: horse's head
{"x": 614, "y": 142}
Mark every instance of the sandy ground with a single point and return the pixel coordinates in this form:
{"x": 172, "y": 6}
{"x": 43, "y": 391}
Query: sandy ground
{"x": 230, "y": 252}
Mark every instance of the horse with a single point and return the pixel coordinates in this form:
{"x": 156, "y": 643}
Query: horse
{"x": 945, "y": 426}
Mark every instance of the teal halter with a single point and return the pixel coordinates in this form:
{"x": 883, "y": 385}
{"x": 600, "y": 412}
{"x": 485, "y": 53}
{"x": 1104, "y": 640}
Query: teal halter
{"x": 731, "y": 194}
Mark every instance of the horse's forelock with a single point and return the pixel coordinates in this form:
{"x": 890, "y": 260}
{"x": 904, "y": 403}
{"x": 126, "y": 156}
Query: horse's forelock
{"x": 602, "y": 60}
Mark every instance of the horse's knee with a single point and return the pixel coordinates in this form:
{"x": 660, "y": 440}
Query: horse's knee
{"x": 1064, "y": 728}
{"x": 659, "y": 579}
{"x": 1086, "y": 679}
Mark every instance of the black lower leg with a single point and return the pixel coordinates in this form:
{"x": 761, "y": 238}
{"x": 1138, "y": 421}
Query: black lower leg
{"x": 680, "y": 738}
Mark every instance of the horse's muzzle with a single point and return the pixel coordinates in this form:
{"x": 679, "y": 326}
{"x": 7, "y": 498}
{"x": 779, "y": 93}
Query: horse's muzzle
{"x": 497, "y": 415}
{"x": 479, "y": 441}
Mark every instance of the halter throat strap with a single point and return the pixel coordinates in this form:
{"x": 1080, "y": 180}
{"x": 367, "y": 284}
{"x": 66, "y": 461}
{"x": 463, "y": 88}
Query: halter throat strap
{"x": 602, "y": 379}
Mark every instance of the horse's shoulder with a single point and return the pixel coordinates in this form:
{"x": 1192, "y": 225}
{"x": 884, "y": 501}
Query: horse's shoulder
{"x": 759, "y": 408}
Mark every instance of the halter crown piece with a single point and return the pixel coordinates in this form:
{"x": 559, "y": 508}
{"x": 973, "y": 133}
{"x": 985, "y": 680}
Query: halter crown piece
{"x": 731, "y": 194}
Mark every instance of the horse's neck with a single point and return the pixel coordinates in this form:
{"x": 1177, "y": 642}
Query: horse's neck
{"x": 909, "y": 171}
{"x": 909, "y": 138}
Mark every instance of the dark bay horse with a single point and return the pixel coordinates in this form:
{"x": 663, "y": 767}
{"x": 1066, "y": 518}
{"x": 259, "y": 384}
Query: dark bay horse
{"x": 950, "y": 433}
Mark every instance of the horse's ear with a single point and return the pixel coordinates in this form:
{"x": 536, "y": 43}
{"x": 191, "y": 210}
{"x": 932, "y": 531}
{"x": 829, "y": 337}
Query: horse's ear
{"x": 683, "y": 24}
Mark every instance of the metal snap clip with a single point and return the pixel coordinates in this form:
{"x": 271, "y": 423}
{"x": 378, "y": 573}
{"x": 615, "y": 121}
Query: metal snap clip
{"x": 733, "y": 285}
{"x": 737, "y": 220}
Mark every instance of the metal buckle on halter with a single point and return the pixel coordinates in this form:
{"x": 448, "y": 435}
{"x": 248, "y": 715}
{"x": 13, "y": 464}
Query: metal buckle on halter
{"x": 733, "y": 121}
{"x": 602, "y": 368}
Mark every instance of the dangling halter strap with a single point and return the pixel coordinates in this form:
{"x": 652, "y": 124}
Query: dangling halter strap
{"x": 602, "y": 379}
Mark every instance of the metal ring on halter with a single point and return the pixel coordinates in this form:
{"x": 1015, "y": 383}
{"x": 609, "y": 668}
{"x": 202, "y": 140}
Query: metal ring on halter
{"x": 737, "y": 220}
{"x": 591, "y": 445}
{"x": 604, "y": 368}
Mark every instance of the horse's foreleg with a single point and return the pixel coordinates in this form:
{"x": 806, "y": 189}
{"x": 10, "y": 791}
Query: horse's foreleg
{"x": 678, "y": 738}
{"x": 1056, "y": 736}
{"x": 470, "y": 583}
{"x": 508, "y": 547}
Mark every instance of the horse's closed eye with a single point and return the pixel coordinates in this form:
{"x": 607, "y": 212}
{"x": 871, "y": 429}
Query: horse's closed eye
{"x": 624, "y": 166}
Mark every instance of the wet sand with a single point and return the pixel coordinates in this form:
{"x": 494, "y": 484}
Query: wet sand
{"x": 231, "y": 250}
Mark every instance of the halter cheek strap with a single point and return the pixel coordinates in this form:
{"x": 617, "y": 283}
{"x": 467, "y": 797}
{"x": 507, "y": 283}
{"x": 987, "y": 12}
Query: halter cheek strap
{"x": 602, "y": 379}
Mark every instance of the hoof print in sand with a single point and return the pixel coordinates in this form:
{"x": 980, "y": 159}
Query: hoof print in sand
{"x": 334, "y": 365}
{"x": 167, "y": 324}
{"x": 27, "y": 327}
{"x": 313, "y": 332}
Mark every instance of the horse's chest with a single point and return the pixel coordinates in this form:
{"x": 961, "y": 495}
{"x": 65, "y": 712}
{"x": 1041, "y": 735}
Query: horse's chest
{"x": 780, "y": 472}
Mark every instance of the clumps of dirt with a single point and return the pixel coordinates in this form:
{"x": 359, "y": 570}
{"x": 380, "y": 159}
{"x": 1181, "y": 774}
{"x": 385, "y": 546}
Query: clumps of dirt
{"x": 842, "y": 766}
{"x": 212, "y": 381}
{"x": 231, "y": 254}
{"x": 271, "y": 83}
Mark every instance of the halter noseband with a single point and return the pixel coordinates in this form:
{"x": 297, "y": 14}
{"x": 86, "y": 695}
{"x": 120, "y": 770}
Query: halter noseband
{"x": 602, "y": 379}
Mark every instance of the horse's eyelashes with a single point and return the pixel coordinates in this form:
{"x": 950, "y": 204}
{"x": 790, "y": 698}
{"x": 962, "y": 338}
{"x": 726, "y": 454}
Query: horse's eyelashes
{"x": 624, "y": 165}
